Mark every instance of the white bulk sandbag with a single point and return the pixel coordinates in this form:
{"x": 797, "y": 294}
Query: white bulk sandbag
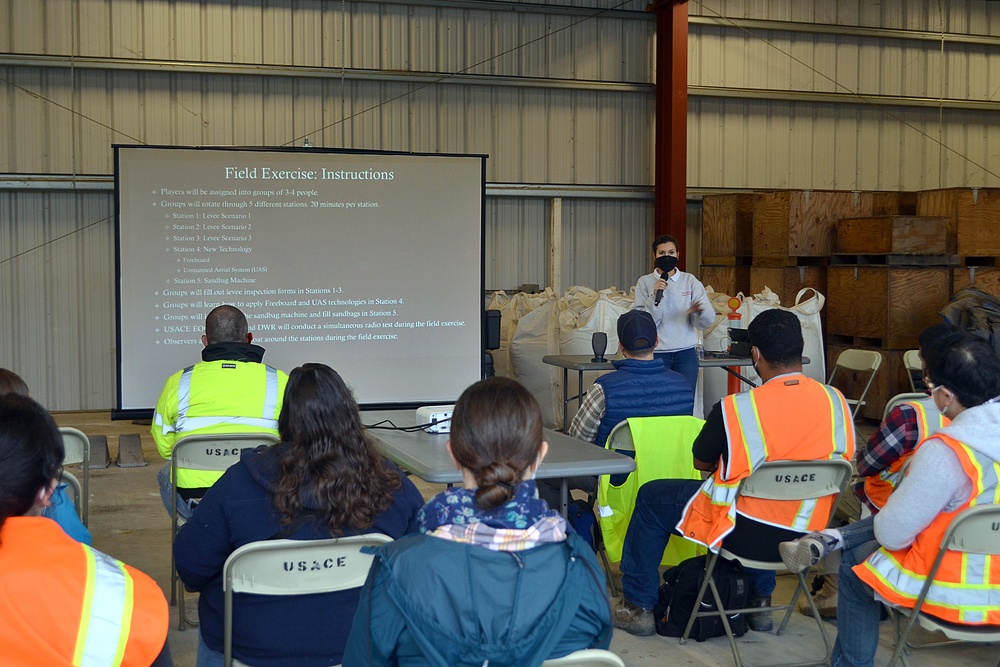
{"x": 512, "y": 309}
{"x": 808, "y": 313}
{"x": 536, "y": 335}
{"x": 715, "y": 381}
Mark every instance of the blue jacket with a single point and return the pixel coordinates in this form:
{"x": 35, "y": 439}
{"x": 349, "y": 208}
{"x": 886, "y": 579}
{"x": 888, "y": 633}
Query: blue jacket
{"x": 642, "y": 388}
{"x": 430, "y": 601}
{"x": 268, "y": 631}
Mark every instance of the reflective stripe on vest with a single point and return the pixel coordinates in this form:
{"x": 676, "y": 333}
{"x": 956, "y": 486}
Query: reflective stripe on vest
{"x": 755, "y": 444}
{"x": 963, "y": 594}
{"x": 106, "y": 618}
{"x": 267, "y": 420}
{"x": 893, "y": 475}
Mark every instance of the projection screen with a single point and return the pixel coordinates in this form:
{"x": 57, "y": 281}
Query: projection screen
{"x": 369, "y": 262}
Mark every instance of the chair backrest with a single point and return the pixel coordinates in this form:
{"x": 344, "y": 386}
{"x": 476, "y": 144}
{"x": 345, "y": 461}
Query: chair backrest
{"x": 975, "y": 530}
{"x": 797, "y": 480}
{"x": 914, "y": 367}
{"x": 216, "y": 451}
{"x": 76, "y": 494}
{"x": 77, "y": 446}
{"x": 905, "y": 397}
{"x": 620, "y": 438}
{"x": 294, "y": 567}
{"x": 858, "y": 361}
{"x": 588, "y": 657}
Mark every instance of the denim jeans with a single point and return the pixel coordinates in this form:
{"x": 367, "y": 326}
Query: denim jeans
{"x": 206, "y": 656}
{"x": 684, "y": 362}
{"x": 184, "y": 507}
{"x": 858, "y": 612}
{"x": 658, "y": 508}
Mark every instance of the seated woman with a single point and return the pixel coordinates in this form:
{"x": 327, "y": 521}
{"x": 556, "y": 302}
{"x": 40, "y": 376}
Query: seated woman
{"x": 889, "y": 556}
{"x": 64, "y": 603}
{"x": 323, "y": 479}
{"x": 60, "y": 508}
{"x": 494, "y": 578}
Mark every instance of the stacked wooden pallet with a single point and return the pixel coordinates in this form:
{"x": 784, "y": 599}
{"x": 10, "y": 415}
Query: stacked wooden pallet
{"x": 887, "y": 262}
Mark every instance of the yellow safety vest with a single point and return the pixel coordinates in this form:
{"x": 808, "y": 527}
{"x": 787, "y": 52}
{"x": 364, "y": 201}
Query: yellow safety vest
{"x": 216, "y": 397}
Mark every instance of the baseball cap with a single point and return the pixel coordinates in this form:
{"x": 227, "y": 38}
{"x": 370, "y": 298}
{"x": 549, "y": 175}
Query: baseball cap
{"x": 637, "y": 331}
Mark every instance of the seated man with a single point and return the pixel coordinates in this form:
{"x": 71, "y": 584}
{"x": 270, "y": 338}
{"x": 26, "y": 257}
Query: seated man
{"x": 229, "y": 391}
{"x": 881, "y": 460}
{"x": 789, "y": 417}
{"x": 640, "y": 386}
{"x": 888, "y": 556}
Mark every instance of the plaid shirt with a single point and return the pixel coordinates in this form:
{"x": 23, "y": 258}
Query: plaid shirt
{"x": 588, "y": 417}
{"x": 545, "y": 530}
{"x": 896, "y": 437}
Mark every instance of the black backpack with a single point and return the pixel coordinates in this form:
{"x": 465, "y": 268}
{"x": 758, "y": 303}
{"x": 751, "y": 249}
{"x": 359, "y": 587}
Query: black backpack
{"x": 680, "y": 588}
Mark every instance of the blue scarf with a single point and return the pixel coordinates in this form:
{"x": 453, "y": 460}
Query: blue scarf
{"x": 457, "y": 505}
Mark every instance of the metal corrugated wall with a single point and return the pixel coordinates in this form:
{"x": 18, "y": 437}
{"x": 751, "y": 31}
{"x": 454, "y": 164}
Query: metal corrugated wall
{"x": 558, "y": 94}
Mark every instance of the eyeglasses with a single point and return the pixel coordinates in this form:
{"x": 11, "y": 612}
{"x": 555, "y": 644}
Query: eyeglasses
{"x": 930, "y": 385}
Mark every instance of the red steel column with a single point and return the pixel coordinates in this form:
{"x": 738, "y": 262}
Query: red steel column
{"x": 671, "y": 119}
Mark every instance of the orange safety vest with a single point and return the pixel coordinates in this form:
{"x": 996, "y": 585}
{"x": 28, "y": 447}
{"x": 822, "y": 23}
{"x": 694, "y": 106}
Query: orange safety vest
{"x": 68, "y": 604}
{"x": 879, "y": 487}
{"x": 965, "y": 586}
{"x": 789, "y": 418}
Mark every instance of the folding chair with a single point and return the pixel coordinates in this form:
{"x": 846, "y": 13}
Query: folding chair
{"x": 77, "y": 446}
{"x": 259, "y": 568}
{"x": 588, "y": 657}
{"x": 974, "y": 531}
{"x": 212, "y": 452}
{"x": 914, "y": 369}
{"x": 810, "y": 480}
{"x": 73, "y": 484}
{"x": 655, "y": 458}
{"x": 854, "y": 361}
{"x": 905, "y": 397}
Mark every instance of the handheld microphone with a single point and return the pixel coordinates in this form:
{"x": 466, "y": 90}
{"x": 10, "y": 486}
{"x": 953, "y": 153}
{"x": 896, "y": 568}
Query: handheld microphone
{"x": 665, "y": 263}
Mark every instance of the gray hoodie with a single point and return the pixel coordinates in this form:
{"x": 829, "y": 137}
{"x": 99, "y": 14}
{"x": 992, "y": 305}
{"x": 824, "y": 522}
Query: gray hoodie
{"x": 935, "y": 481}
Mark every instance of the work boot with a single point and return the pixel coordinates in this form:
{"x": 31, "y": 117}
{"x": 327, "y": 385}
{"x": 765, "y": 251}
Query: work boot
{"x": 825, "y": 599}
{"x": 633, "y": 619}
{"x": 803, "y": 553}
{"x": 760, "y": 621}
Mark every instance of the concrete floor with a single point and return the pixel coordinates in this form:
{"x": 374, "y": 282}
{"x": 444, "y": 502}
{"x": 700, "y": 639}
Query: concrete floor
{"x": 129, "y": 522}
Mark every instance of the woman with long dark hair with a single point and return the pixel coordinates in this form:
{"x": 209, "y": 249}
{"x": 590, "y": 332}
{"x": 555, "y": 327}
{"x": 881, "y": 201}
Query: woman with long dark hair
{"x": 496, "y": 577}
{"x": 64, "y": 602}
{"x": 324, "y": 479}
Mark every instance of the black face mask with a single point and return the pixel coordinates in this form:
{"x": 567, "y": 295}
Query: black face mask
{"x": 666, "y": 263}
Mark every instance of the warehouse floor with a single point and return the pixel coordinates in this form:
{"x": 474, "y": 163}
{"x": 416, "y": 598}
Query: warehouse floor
{"x": 128, "y": 521}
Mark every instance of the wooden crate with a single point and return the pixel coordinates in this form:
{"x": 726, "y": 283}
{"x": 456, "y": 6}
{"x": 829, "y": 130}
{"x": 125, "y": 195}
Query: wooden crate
{"x": 889, "y": 306}
{"x": 973, "y": 216}
{"x": 895, "y": 235}
{"x": 891, "y": 379}
{"x": 800, "y": 223}
{"x": 894, "y": 203}
{"x": 727, "y": 227}
{"x": 984, "y": 278}
{"x": 786, "y": 281}
{"x": 729, "y": 280}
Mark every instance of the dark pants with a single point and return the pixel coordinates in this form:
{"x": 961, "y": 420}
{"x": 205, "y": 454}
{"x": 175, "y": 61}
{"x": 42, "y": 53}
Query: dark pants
{"x": 684, "y": 362}
{"x": 658, "y": 508}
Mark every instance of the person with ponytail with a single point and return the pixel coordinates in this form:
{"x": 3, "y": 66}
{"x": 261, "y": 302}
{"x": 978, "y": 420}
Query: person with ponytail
{"x": 324, "y": 479}
{"x": 495, "y": 576}
{"x": 64, "y": 602}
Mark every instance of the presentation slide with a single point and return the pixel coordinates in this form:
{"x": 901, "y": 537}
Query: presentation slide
{"x": 369, "y": 262}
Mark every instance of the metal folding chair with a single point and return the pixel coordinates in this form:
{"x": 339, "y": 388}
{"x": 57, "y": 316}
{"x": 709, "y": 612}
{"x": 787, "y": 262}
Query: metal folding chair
{"x": 77, "y": 446}
{"x": 974, "y": 531}
{"x": 777, "y": 480}
{"x": 901, "y": 398}
{"x": 76, "y": 494}
{"x": 259, "y": 568}
{"x": 211, "y": 452}
{"x": 914, "y": 369}
{"x": 854, "y": 361}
